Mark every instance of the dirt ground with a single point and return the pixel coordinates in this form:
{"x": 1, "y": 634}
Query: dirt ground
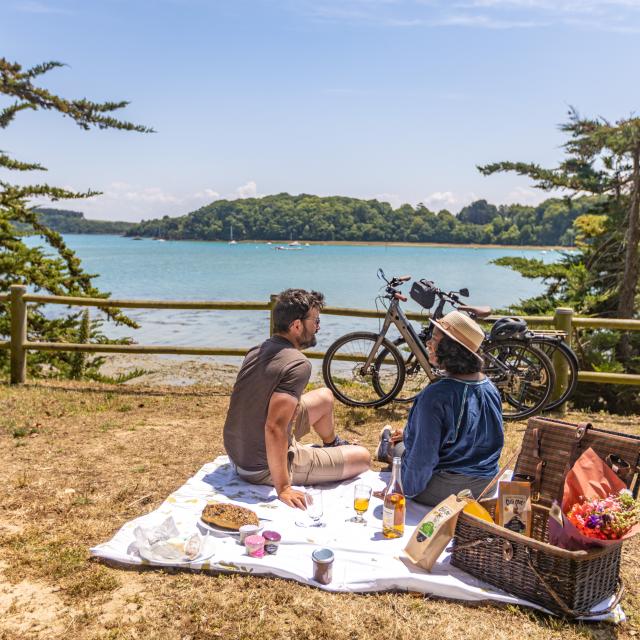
{"x": 80, "y": 459}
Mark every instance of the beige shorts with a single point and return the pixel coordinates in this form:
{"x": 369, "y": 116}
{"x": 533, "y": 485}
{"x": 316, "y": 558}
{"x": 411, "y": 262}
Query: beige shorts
{"x": 307, "y": 464}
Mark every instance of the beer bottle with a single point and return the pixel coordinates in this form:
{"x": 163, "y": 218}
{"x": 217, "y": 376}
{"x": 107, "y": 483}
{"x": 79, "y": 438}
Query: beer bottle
{"x": 394, "y": 507}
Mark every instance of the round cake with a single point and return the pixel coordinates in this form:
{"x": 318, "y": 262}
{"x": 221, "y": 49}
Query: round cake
{"x": 228, "y": 516}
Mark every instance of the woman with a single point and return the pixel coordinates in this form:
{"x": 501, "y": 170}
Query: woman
{"x": 454, "y": 433}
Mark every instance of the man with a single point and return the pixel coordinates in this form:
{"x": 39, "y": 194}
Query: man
{"x": 268, "y": 411}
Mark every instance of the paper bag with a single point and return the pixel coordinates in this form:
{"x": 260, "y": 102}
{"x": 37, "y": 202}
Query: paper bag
{"x": 434, "y": 532}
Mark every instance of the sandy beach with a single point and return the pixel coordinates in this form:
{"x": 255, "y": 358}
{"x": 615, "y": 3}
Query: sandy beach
{"x": 172, "y": 371}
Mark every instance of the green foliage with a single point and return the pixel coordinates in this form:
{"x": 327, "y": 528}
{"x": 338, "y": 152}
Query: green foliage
{"x": 601, "y": 278}
{"x": 284, "y": 217}
{"x": 64, "y": 221}
{"x": 55, "y": 270}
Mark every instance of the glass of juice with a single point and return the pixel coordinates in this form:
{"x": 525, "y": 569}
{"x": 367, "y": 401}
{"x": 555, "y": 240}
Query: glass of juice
{"x": 361, "y": 497}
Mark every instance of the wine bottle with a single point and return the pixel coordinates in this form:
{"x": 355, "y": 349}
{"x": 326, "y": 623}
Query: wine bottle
{"x": 394, "y": 506}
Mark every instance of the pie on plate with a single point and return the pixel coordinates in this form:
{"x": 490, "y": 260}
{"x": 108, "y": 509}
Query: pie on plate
{"x": 228, "y": 516}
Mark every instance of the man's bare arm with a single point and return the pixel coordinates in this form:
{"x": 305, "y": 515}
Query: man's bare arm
{"x": 281, "y": 409}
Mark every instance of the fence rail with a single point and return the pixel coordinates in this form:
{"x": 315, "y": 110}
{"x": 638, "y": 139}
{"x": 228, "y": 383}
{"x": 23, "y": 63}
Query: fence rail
{"x": 18, "y": 298}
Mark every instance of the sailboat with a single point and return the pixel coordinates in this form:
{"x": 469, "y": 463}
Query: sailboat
{"x": 231, "y": 240}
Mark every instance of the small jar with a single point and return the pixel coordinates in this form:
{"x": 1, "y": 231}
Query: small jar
{"x": 271, "y": 541}
{"x": 248, "y": 530}
{"x": 255, "y": 546}
{"x": 322, "y": 565}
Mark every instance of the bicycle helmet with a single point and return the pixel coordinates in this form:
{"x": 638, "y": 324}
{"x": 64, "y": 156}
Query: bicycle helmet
{"x": 510, "y": 327}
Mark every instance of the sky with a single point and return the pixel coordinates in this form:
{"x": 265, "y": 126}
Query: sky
{"x": 398, "y": 100}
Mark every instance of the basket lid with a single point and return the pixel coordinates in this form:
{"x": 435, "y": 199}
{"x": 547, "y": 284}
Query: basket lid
{"x": 551, "y": 447}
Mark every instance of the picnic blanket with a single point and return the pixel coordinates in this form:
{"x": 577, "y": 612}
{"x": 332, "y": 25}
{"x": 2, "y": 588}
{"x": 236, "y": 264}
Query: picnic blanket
{"x": 365, "y": 561}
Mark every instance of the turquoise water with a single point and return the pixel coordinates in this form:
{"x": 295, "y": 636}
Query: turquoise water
{"x": 218, "y": 271}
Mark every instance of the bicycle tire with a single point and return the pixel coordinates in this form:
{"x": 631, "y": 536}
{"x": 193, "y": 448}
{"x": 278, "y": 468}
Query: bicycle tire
{"x": 415, "y": 377}
{"x": 353, "y": 386}
{"x": 560, "y": 349}
{"x": 523, "y": 375}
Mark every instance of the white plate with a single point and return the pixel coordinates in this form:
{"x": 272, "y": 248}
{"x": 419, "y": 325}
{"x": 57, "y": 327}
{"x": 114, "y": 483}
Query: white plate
{"x": 228, "y": 532}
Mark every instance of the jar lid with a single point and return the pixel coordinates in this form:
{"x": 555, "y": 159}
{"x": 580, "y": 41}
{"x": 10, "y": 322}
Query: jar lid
{"x": 271, "y": 536}
{"x": 249, "y": 528}
{"x": 323, "y": 556}
{"x": 254, "y": 540}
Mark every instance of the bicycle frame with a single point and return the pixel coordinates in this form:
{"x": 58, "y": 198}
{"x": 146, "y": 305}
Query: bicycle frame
{"x": 396, "y": 316}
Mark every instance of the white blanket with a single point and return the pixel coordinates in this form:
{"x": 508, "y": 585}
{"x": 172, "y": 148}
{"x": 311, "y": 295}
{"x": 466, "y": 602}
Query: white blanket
{"x": 365, "y": 561}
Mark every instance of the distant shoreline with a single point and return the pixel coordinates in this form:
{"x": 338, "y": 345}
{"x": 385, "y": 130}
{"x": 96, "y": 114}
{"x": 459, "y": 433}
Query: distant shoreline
{"x": 356, "y": 243}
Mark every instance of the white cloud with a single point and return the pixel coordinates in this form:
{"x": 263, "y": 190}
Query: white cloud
{"x": 393, "y": 199}
{"x": 610, "y": 15}
{"x": 524, "y": 195}
{"x": 248, "y": 190}
{"x": 32, "y": 6}
{"x": 448, "y": 200}
{"x": 124, "y": 201}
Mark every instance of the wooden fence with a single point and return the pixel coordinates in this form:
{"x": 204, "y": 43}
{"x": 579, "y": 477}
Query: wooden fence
{"x": 563, "y": 320}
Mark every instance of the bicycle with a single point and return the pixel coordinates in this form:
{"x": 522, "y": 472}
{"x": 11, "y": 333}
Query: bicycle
{"x": 523, "y": 374}
{"x": 552, "y": 343}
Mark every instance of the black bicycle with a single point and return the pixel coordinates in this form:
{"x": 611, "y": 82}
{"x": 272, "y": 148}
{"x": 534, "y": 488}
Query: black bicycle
{"x": 366, "y": 369}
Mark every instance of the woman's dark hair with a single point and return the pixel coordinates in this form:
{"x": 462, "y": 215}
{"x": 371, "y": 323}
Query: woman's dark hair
{"x": 455, "y": 358}
{"x": 294, "y": 304}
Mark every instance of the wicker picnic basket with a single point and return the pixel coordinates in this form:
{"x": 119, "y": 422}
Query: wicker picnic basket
{"x": 569, "y": 583}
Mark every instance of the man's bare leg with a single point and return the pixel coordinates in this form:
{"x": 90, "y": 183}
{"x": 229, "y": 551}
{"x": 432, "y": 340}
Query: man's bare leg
{"x": 319, "y": 403}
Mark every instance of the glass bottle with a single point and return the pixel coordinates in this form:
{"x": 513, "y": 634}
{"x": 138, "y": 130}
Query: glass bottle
{"x": 394, "y": 506}
{"x": 473, "y": 507}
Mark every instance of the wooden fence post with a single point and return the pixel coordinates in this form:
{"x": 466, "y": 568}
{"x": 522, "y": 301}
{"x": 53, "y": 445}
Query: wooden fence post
{"x": 562, "y": 320}
{"x": 272, "y": 303}
{"x": 18, "y": 334}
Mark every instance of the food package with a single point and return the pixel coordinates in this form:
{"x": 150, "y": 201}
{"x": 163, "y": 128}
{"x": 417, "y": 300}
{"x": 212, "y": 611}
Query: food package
{"x": 434, "y": 532}
{"x": 514, "y": 506}
{"x": 165, "y": 544}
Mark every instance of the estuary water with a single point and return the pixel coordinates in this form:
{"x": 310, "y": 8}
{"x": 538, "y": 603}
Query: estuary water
{"x": 346, "y": 274}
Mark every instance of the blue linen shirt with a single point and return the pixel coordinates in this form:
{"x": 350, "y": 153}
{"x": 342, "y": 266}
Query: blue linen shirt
{"x": 454, "y": 425}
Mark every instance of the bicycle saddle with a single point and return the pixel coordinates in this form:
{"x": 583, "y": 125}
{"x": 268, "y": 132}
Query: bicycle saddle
{"x": 476, "y": 312}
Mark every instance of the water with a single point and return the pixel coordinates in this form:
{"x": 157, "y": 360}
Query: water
{"x": 148, "y": 269}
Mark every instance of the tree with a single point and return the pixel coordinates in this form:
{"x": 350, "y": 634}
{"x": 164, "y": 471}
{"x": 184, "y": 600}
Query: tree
{"x": 602, "y": 161}
{"x": 62, "y": 273}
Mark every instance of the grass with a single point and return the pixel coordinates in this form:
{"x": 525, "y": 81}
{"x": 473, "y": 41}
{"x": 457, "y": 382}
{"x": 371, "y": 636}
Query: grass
{"x": 91, "y": 457}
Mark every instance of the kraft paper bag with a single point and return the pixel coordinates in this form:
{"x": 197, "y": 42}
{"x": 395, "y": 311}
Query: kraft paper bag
{"x": 434, "y": 532}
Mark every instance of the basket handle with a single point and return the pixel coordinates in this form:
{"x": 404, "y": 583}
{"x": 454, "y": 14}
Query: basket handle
{"x": 575, "y": 613}
{"x": 469, "y": 545}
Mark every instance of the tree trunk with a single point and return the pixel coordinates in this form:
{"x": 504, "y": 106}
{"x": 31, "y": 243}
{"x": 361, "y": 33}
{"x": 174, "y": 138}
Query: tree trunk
{"x": 629, "y": 284}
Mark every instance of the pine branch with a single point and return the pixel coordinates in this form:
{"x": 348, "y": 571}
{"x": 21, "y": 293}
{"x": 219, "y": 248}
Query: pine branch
{"x": 8, "y": 114}
{"x": 16, "y": 165}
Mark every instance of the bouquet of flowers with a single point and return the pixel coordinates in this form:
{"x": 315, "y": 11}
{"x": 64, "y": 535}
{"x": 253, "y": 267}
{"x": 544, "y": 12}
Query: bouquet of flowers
{"x": 597, "y": 508}
{"x": 607, "y": 518}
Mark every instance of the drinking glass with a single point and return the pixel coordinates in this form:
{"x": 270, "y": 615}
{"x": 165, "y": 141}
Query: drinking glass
{"x": 313, "y": 500}
{"x": 361, "y": 497}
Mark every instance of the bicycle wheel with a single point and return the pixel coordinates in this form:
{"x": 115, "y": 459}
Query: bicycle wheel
{"x": 522, "y": 373}
{"x": 415, "y": 377}
{"x": 344, "y": 373}
{"x": 558, "y": 351}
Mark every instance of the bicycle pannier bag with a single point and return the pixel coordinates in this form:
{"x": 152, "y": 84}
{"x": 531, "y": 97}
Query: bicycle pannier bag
{"x": 566, "y": 582}
{"x": 423, "y": 293}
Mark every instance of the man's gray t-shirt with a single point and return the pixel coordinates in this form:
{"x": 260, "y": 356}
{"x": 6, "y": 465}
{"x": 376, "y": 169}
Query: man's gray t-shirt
{"x": 274, "y": 366}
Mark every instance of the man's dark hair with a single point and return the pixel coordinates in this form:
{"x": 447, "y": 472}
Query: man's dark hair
{"x": 455, "y": 358}
{"x": 294, "y": 304}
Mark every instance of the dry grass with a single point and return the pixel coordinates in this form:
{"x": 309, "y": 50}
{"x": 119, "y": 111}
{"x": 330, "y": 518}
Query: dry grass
{"x": 79, "y": 461}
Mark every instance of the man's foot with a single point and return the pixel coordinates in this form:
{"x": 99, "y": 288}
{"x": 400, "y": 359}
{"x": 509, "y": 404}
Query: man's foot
{"x": 385, "y": 444}
{"x": 336, "y": 442}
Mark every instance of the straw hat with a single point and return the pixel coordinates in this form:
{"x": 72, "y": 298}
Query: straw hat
{"x": 462, "y": 329}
